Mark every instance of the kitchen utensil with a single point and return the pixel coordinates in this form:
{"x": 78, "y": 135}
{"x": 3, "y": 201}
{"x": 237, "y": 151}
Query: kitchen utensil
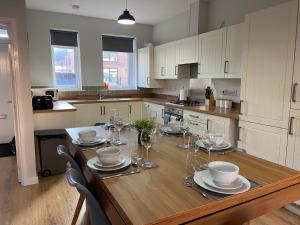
{"x": 223, "y": 172}
{"x": 108, "y": 155}
{"x": 94, "y": 161}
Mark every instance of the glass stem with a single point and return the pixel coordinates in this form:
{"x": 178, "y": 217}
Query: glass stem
{"x": 184, "y": 143}
{"x": 119, "y": 135}
{"x": 209, "y": 155}
{"x": 147, "y": 149}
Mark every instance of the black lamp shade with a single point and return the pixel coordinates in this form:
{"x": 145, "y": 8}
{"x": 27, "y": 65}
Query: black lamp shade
{"x": 126, "y": 18}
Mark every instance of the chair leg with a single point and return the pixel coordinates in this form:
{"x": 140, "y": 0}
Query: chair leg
{"x": 77, "y": 210}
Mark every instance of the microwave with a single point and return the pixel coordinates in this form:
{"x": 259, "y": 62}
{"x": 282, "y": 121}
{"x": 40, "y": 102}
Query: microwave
{"x": 53, "y": 92}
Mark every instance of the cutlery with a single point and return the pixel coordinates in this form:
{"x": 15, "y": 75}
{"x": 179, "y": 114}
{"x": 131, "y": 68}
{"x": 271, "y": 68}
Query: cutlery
{"x": 120, "y": 174}
{"x": 225, "y": 152}
{"x": 187, "y": 182}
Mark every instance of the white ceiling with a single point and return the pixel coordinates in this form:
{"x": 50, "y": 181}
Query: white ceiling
{"x": 144, "y": 11}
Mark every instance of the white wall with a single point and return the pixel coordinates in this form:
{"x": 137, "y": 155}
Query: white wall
{"x": 233, "y": 11}
{"x": 90, "y": 30}
{"x": 15, "y": 9}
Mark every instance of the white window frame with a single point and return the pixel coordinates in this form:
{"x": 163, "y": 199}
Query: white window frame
{"x": 77, "y": 62}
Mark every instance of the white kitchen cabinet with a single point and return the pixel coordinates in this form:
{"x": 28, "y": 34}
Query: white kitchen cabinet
{"x": 234, "y": 50}
{"x": 135, "y": 110}
{"x": 262, "y": 141}
{"x": 212, "y": 49}
{"x": 293, "y": 150}
{"x": 87, "y": 114}
{"x": 268, "y": 65}
{"x": 187, "y": 50}
{"x": 170, "y": 61}
{"x": 109, "y": 107}
{"x": 159, "y": 61}
{"x": 295, "y": 103}
{"x": 201, "y": 123}
{"x": 54, "y": 120}
{"x": 151, "y": 109}
{"x": 146, "y": 68}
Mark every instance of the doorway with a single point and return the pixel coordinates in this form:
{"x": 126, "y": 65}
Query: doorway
{"x": 7, "y": 133}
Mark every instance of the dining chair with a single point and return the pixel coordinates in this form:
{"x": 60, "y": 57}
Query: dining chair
{"x": 96, "y": 214}
{"x": 64, "y": 152}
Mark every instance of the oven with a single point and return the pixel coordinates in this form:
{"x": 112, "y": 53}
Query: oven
{"x": 172, "y": 114}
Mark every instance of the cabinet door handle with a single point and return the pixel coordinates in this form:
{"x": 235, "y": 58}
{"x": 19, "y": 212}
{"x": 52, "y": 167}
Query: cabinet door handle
{"x": 196, "y": 124}
{"x": 3, "y": 116}
{"x": 161, "y": 71}
{"x": 199, "y": 72}
{"x": 291, "y": 125}
{"x": 176, "y": 70}
{"x": 241, "y": 101}
{"x": 147, "y": 80}
{"x": 101, "y": 112}
{"x": 193, "y": 116}
{"x": 130, "y": 109}
{"x": 226, "y": 64}
{"x": 294, "y": 92}
{"x": 162, "y": 113}
{"x": 207, "y": 125}
{"x": 104, "y": 110}
{"x": 239, "y": 138}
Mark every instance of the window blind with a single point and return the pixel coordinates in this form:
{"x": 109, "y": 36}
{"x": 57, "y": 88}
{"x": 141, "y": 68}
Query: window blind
{"x": 117, "y": 44}
{"x": 64, "y": 38}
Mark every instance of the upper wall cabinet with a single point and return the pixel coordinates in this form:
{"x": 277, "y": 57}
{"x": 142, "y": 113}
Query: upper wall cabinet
{"x": 159, "y": 61}
{"x": 268, "y": 65}
{"x": 212, "y": 47}
{"x": 234, "y": 51}
{"x": 187, "y": 50}
{"x": 146, "y": 77}
{"x": 296, "y": 80}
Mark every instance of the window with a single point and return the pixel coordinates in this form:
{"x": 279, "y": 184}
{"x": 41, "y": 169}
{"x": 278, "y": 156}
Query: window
{"x": 65, "y": 60}
{"x": 119, "y": 62}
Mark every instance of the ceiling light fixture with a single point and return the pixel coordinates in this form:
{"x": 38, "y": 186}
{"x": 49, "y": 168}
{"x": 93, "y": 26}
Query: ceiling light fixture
{"x": 126, "y": 18}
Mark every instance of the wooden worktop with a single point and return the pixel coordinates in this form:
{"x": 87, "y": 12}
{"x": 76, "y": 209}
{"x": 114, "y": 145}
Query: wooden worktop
{"x": 70, "y": 105}
{"x": 158, "y": 196}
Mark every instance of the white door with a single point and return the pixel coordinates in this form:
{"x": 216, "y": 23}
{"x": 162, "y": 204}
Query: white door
{"x": 264, "y": 142}
{"x": 6, "y": 106}
{"x": 135, "y": 111}
{"x": 159, "y": 61}
{"x": 143, "y": 67}
{"x": 234, "y": 50}
{"x": 188, "y": 50}
{"x": 293, "y": 152}
{"x": 212, "y": 47}
{"x": 268, "y": 65}
{"x": 170, "y": 63}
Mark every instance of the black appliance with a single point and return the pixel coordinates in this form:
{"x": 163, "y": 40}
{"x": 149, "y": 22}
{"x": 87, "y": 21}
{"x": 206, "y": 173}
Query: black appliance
{"x": 171, "y": 112}
{"x": 188, "y": 102}
{"x": 42, "y": 102}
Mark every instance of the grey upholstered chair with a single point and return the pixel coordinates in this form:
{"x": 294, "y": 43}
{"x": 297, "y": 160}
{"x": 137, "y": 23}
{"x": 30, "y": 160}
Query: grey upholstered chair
{"x": 96, "y": 214}
{"x": 64, "y": 152}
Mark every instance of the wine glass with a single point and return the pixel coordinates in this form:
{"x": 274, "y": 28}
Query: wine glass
{"x": 115, "y": 113}
{"x": 119, "y": 124}
{"x": 112, "y": 135}
{"x": 184, "y": 127}
{"x": 147, "y": 139}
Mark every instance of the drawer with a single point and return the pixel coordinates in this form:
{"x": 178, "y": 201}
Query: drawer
{"x": 194, "y": 116}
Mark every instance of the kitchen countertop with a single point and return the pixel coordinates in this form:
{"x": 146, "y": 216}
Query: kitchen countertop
{"x": 67, "y": 105}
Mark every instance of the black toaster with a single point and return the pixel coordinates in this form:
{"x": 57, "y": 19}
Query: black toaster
{"x": 42, "y": 102}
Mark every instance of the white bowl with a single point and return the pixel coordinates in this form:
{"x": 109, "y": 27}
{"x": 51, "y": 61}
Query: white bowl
{"x": 109, "y": 155}
{"x": 87, "y": 135}
{"x": 223, "y": 172}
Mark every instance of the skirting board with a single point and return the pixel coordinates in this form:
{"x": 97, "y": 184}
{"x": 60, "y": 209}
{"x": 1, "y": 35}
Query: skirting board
{"x": 30, "y": 180}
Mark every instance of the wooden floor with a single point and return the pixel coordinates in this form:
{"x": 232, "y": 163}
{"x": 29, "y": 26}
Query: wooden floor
{"x": 52, "y": 201}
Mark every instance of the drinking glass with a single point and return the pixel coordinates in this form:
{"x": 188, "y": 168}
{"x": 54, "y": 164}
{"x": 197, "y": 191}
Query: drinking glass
{"x": 119, "y": 124}
{"x": 184, "y": 127}
{"x": 147, "y": 138}
{"x": 135, "y": 153}
{"x": 112, "y": 135}
{"x": 115, "y": 113}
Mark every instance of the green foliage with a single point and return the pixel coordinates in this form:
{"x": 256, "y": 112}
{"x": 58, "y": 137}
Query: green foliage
{"x": 145, "y": 124}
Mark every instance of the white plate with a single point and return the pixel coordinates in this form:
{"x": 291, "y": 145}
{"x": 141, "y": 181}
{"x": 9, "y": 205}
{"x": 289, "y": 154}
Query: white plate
{"x": 94, "y": 160}
{"x": 232, "y": 186}
{"x": 119, "y": 162}
{"x": 200, "y": 144}
{"x": 96, "y": 139}
{"x": 100, "y": 141}
{"x": 198, "y": 178}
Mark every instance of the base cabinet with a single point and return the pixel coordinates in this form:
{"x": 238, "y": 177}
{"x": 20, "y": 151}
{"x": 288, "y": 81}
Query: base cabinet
{"x": 263, "y": 141}
{"x": 87, "y": 114}
{"x": 135, "y": 110}
{"x": 293, "y": 150}
{"x": 154, "y": 110}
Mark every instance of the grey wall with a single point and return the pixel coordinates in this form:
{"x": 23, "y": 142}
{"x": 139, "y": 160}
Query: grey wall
{"x": 90, "y": 30}
{"x": 233, "y": 11}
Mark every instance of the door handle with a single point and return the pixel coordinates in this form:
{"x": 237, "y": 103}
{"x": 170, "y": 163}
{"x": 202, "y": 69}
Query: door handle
{"x": 162, "y": 113}
{"x": 226, "y": 66}
{"x": 3, "y": 116}
{"x": 197, "y": 117}
{"x": 101, "y": 110}
{"x": 9, "y": 102}
{"x": 239, "y": 138}
{"x": 294, "y": 92}
{"x": 104, "y": 110}
{"x": 130, "y": 109}
{"x": 207, "y": 125}
{"x": 241, "y": 101}
{"x": 291, "y": 125}
{"x": 199, "y": 72}
{"x": 176, "y": 70}
{"x": 147, "y": 80}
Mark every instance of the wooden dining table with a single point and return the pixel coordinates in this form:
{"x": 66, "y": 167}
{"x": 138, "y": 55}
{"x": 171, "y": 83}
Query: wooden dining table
{"x": 158, "y": 196}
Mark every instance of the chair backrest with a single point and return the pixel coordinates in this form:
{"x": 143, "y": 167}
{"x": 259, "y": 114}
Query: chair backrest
{"x": 97, "y": 216}
{"x": 64, "y": 152}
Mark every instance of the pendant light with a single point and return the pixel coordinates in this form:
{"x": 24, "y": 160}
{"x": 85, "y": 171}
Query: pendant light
{"x": 126, "y": 18}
